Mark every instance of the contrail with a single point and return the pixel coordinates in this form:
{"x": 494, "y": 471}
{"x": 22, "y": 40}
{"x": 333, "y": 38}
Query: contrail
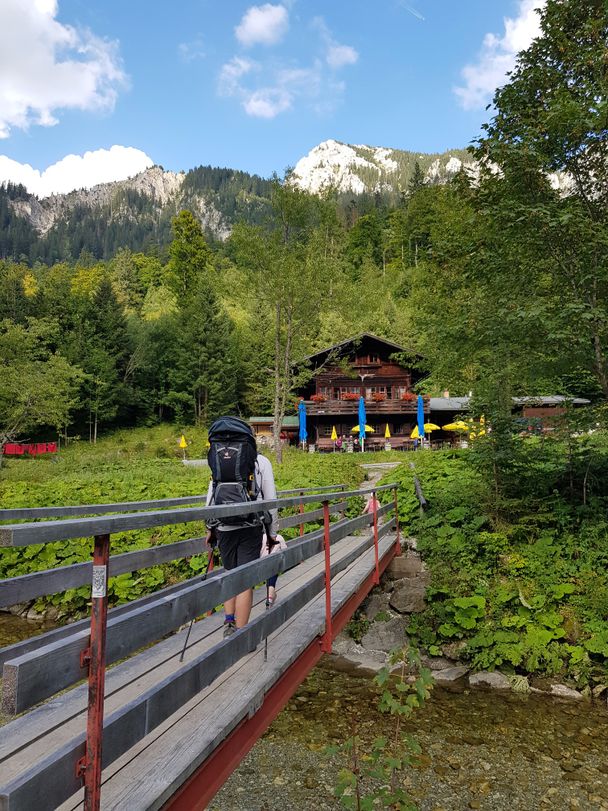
{"x": 413, "y": 11}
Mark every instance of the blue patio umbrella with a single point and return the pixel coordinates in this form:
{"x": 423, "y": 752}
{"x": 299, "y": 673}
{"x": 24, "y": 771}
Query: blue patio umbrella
{"x": 302, "y": 420}
{"x": 420, "y": 417}
{"x": 362, "y": 421}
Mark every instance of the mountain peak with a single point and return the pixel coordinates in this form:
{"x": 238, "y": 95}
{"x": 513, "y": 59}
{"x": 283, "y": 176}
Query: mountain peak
{"x": 359, "y": 168}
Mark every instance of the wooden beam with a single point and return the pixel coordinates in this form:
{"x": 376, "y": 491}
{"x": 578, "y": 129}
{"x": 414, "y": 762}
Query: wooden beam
{"x": 53, "y": 778}
{"x": 51, "y": 581}
{"x": 48, "y": 531}
{"x": 21, "y": 513}
{"x": 40, "y": 673}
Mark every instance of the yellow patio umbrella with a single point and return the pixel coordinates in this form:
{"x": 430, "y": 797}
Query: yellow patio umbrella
{"x": 368, "y": 429}
{"x": 459, "y": 425}
{"x": 428, "y": 427}
{"x": 334, "y": 433}
{"x": 387, "y": 433}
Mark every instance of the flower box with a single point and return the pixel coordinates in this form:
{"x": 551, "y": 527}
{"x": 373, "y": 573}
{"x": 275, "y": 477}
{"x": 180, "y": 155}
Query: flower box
{"x": 378, "y": 397}
{"x": 349, "y": 395}
{"x": 409, "y": 397}
{"x": 318, "y": 398}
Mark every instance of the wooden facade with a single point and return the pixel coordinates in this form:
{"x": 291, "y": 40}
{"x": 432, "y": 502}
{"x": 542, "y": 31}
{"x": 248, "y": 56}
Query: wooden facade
{"x": 363, "y": 366}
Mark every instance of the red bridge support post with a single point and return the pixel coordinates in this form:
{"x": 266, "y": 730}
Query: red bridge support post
{"x": 397, "y": 539}
{"x": 90, "y": 766}
{"x": 301, "y": 512}
{"x": 327, "y": 636}
{"x": 376, "y": 550}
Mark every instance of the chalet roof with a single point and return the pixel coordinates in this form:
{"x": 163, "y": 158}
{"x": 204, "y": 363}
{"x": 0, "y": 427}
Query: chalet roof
{"x": 462, "y": 403}
{"x": 552, "y": 400}
{"x": 288, "y": 421}
{"x": 357, "y": 338}
{"x": 449, "y": 403}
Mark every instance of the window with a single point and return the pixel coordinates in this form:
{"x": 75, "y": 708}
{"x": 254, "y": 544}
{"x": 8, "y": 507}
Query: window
{"x": 399, "y": 391}
{"x": 375, "y": 390}
{"x": 374, "y": 357}
{"x": 325, "y": 430}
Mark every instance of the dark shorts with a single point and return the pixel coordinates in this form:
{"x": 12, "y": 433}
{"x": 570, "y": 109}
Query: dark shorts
{"x": 238, "y": 546}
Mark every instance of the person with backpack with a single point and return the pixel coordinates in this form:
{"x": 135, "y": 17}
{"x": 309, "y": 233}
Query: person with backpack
{"x": 238, "y": 474}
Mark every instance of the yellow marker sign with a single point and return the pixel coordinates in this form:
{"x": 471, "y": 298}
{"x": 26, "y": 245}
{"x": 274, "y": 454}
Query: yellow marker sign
{"x": 334, "y": 434}
{"x": 182, "y": 442}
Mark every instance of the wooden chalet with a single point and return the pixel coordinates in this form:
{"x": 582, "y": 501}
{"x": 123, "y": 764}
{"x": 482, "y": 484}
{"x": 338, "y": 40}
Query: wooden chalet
{"x": 361, "y": 366}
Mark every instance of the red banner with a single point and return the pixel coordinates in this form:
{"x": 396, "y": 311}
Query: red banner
{"x": 30, "y": 448}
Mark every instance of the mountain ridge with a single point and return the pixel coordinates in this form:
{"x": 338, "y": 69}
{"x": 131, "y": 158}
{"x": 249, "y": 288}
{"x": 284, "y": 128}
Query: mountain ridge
{"x": 136, "y": 212}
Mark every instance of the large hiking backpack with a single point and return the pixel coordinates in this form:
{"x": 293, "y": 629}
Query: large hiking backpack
{"x": 232, "y": 459}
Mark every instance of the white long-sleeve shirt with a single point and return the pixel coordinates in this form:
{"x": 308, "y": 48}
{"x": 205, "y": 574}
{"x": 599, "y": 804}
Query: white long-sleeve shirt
{"x": 265, "y": 486}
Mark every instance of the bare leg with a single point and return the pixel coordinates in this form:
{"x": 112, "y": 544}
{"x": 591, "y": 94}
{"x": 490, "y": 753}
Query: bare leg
{"x": 272, "y": 593}
{"x": 229, "y": 605}
{"x": 243, "y": 607}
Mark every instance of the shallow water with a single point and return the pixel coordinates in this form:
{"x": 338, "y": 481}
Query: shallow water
{"x": 480, "y": 750}
{"x": 14, "y": 629}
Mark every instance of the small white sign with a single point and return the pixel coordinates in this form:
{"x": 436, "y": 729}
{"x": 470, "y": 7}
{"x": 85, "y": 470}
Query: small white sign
{"x": 99, "y": 581}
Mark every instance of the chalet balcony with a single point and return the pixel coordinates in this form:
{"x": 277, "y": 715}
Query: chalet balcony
{"x": 372, "y": 407}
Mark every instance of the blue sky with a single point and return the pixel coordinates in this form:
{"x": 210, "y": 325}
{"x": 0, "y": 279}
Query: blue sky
{"x": 251, "y": 86}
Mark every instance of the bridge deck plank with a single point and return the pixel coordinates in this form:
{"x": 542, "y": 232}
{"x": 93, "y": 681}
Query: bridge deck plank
{"x": 63, "y": 718}
{"x": 148, "y": 774}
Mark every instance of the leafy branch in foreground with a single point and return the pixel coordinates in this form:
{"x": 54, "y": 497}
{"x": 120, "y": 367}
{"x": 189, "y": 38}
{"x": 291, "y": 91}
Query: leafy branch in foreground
{"x": 372, "y": 777}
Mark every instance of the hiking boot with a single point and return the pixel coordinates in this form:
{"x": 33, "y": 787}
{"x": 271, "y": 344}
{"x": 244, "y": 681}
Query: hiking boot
{"x": 229, "y": 629}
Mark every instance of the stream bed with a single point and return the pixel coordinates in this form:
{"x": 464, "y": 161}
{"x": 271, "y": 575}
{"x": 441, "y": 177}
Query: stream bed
{"x": 480, "y": 750}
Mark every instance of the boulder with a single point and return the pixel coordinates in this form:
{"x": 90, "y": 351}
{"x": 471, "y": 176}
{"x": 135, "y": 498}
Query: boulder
{"x": 562, "y": 691}
{"x": 344, "y": 645}
{"x": 435, "y": 662}
{"x": 385, "y": 636}
{"x": 408, "y": 565}
{"x": 374, "y": 604}
{"x": 495, "y": 680}
{"x": 450, "y": 674}
{"x": 408, "y": 596}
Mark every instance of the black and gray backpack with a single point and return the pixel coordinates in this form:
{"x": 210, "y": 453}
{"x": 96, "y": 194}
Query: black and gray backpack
{"x": 232, "y": 459}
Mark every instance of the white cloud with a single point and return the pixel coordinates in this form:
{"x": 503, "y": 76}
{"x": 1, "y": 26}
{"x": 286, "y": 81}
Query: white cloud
{"x": 268, "y": 102}
{"x": 336, "y": 55}
{"x": 340, "y": 55}
{"x": 498, "y": 55}
{"x": 262, "y": 25}
{"x": 76, "y": 171}
{"x": 190, "y": 51}
{"x": 267, "y": 89}
{"x": 229, "y": 83}
{"x": 46, "y": 66}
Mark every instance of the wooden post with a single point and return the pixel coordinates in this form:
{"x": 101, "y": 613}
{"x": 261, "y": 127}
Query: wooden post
{"x": 89, "y": 767}
{"x": 301, "y": 513}
{"x": 376, "y": 551}
{"x": 398, "y": 539}
{"x": 327, "y": 636}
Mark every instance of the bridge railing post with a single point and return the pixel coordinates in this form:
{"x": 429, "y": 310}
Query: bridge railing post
{"x": 397, "y": 539}
{"x": 89, "y": 767}
{"x": 376, "y": 540}
{"x": 327, "y": 636}
{"x": 301, "y": 513}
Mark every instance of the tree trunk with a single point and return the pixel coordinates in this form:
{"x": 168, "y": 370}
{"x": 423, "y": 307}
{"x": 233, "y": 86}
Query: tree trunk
{"x": 276, "y": 421}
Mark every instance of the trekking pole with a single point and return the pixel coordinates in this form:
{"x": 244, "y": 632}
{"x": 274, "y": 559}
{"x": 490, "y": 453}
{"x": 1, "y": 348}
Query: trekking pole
{"x": 207, "y": 570}
{"x": 267, "y": 607}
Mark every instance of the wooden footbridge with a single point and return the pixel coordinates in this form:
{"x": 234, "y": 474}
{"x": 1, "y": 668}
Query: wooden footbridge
{"x": 157, "y": 731}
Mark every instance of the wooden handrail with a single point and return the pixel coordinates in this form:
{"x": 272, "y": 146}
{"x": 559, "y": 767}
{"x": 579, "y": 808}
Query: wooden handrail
{"x": 21, "y": 513}
{"x": 49, "y": 531}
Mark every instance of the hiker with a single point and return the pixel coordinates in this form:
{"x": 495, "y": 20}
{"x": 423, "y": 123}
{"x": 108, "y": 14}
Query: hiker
{"x": 338, "y": 444}
{"x": 239, "y": 473}
{"x": 371, "y": 504}
{"x": 269, "y": 547}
